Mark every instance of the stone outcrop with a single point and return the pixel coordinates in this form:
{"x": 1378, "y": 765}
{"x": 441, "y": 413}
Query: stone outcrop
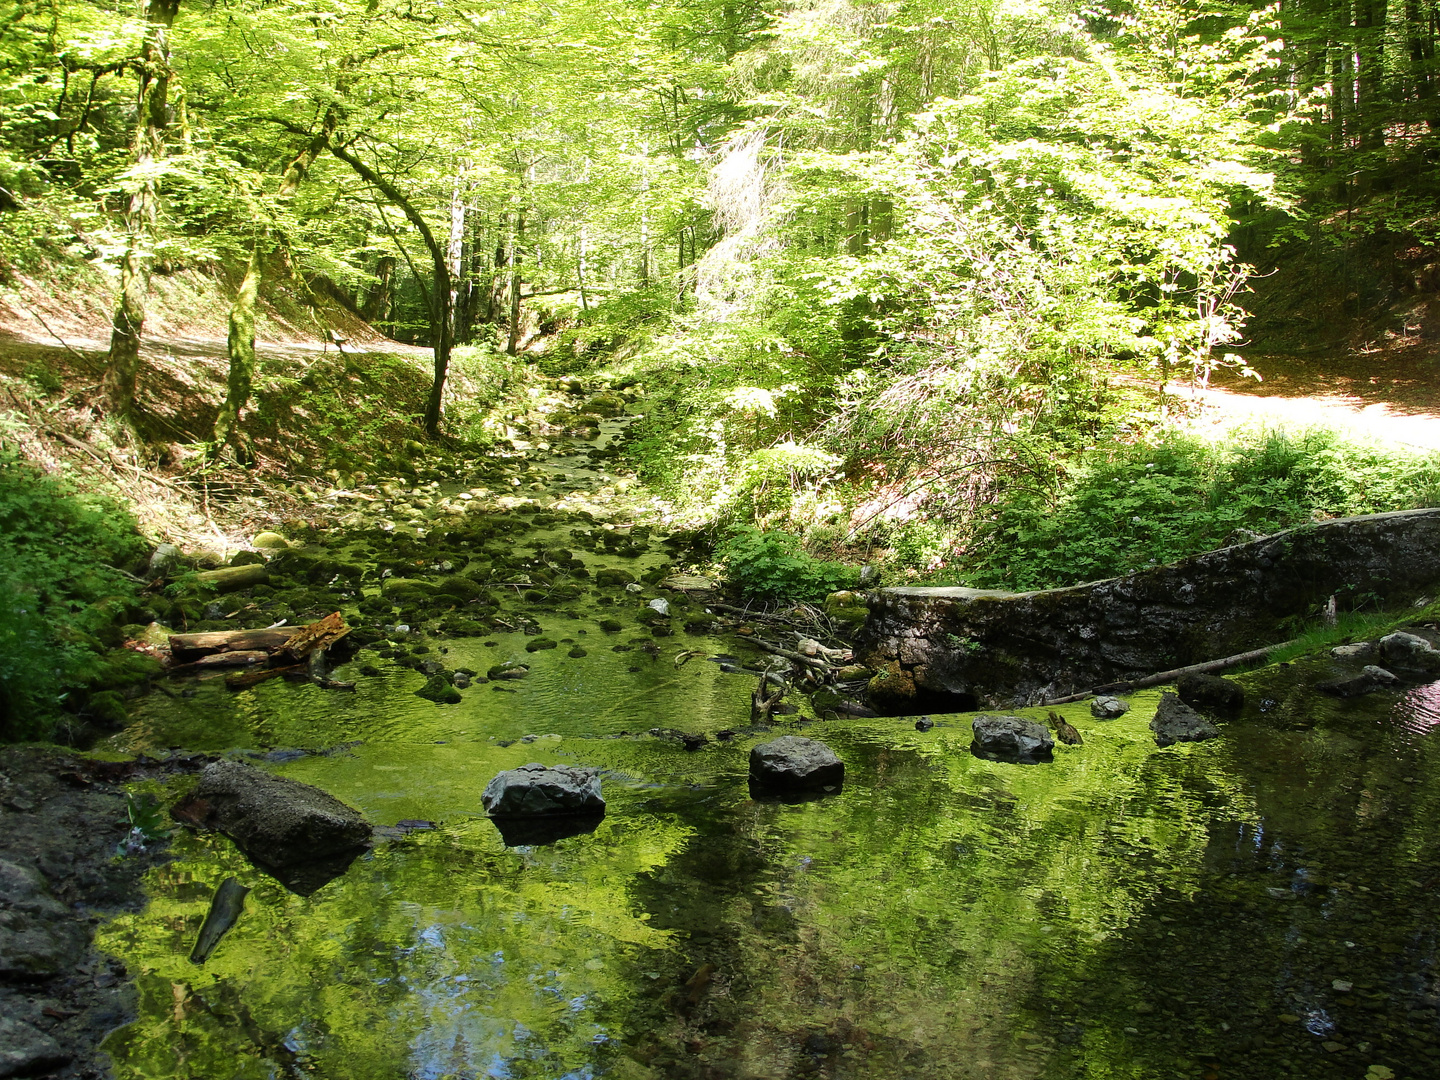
{"x": 950, "y": 649}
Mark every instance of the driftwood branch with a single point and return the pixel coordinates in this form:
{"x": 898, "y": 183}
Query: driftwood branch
{"x": 1162, "y": 677}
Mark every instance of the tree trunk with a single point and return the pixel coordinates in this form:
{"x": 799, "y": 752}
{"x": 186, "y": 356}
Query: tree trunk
{"x": 128, "y": 321}
{"x": 377, "y": 297}
{"x": 441, "y": 320}
{"x": 517, "y": 240}
{"x": 455, "y": 249}
{"x": 241, "y": 338}
{"x": 241, "y": 345}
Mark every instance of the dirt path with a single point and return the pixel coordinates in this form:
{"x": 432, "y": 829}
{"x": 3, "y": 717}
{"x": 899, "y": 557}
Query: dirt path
{"x": 1390, "y": 397}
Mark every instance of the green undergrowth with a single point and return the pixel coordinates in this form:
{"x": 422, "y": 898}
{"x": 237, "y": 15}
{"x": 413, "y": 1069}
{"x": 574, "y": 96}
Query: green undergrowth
{"x": 1123, "y": 508}
{"x": 61, "y": 593}
{"x": 1350, "y": 626}
{"x": 772, "y": 565}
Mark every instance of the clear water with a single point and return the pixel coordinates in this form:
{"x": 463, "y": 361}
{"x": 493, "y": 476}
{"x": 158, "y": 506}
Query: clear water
{"x": 1260, "y": 906}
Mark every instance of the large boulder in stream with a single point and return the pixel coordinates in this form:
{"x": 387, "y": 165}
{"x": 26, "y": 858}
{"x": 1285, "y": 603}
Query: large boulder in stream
{"x": 1011, "y": 738}
{"x": 537, "y": 790}
{"x": 301, "y": 835}
{"x": 793, "y": 763}
{"x": 1175, "y": 721}
{"x": 1410, "y": 651}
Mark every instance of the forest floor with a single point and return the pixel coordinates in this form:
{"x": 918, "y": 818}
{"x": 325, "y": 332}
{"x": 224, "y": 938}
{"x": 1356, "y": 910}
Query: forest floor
{"x": 1387, "y": 395}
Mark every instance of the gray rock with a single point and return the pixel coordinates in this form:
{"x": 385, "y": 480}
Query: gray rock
{"x": 1210, "y": 692}
{"x": 1108, "y": 708}
{"x": 660, "y": 605}
{"x": 1011, "y": 738}
{"x": 1370, "y": 679}
{"x": 1362, "y": 651}
{"x": 163, "y": 562}
{"x": 276, "y": 821}
{"x": 795, "y": 763}
{"x": 536, "y": 790}
{"x": 26, "y": 1051}
{"x": 1409, "y": 651}
{"x": 37, "y": 938}
{"x": 1176, "y": 722}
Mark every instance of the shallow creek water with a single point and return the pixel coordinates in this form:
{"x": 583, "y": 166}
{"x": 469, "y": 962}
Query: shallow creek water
{"x": 1260, "y": 906}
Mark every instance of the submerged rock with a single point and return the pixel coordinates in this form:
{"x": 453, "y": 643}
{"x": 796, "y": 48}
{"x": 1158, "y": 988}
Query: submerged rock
{"x": 1108, "y": 708}
{"x": 277, "y": 822}
{"x": 1370, "y": 679}
{"x": 537, "y": 790}
{"x": 1011, "y": 738}
{"x": 795, "y": 763}
{"x": 1177, "y": 722}
{"x": 1210, "y": 692}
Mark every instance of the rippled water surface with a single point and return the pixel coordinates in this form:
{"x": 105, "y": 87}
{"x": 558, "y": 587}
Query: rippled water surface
{"x": 1261, "y": 906}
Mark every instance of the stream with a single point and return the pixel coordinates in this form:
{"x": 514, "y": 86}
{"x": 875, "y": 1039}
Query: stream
{"x": 1258, "y": 906}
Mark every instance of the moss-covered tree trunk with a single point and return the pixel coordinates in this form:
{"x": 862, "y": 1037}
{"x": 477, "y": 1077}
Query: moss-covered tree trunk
{"x": 128, "y": 321}
{"x": 241, "y": 339}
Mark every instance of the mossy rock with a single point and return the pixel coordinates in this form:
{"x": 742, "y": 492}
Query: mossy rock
{"x": 124, "y": 667}
{"x": 439, "y": 690}
{"x": 540, "y": 644}
{"x": 464, "y": 628}
{"x": 614, "y": 577}
{"x": 611, "y": 626}
{"x": 107, "y": 708}
{"x": 247, "y": 558}
{"x": 461, "y": 588}
{"x": 508, "y": 670}
{"x": 702, "y": 623}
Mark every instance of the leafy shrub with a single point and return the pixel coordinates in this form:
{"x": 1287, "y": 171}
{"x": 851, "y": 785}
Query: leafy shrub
{"x": 771, "y": 565}
{"x": 1134, "y": 506}
{"x": 58, "y": 587}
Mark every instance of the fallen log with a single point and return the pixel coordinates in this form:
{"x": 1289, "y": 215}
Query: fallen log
{"x": 790, "y": 654}
{"x": 1160, "y": 678}
{"x": 230, "y": 578}
{"x": 189, "y": 647}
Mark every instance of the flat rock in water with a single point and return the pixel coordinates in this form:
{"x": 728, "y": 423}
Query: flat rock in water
{"x": 276, "y": 821}
{"x": 1177, "y": 722}
{"x": 1370, "y": 679}
{"x": 37, "y": 937}
{"x": 1108, "y": 708}
{"x": 537, "y": 790}
{"x": 1210, "y": 692}
{"x": 1011, "y": 738}
{"x": 795, "y": 763}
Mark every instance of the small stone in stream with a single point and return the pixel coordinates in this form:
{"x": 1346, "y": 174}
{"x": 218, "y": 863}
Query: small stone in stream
{"x": 725, "y": 734}
{"x": 1176, "y": 722}
{"x": 659, "y": 605}
{"x": 611, "y": 626}
{"x": 541, "y": 643}
{"x": 924, "y": 724}
{"x": 577, "y": 652}
{"x": 1108, "y": 708}
{"x": 795, "y": 763}
{"x": 1410, "y": 651}
{"x": 439, "y": 690}
{"x": 1011, "y": 738}
{"x": 370, "y": 671}
{"x": 461, "y": 681}
{"x": 27, "y": 1051}
{"x": 536, "y": 790}
{"x": 1210, "y": 692}
{"x": 637, "y": 589}
{"x": 271, "y": 541}
{"x": 510, "y": 669}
